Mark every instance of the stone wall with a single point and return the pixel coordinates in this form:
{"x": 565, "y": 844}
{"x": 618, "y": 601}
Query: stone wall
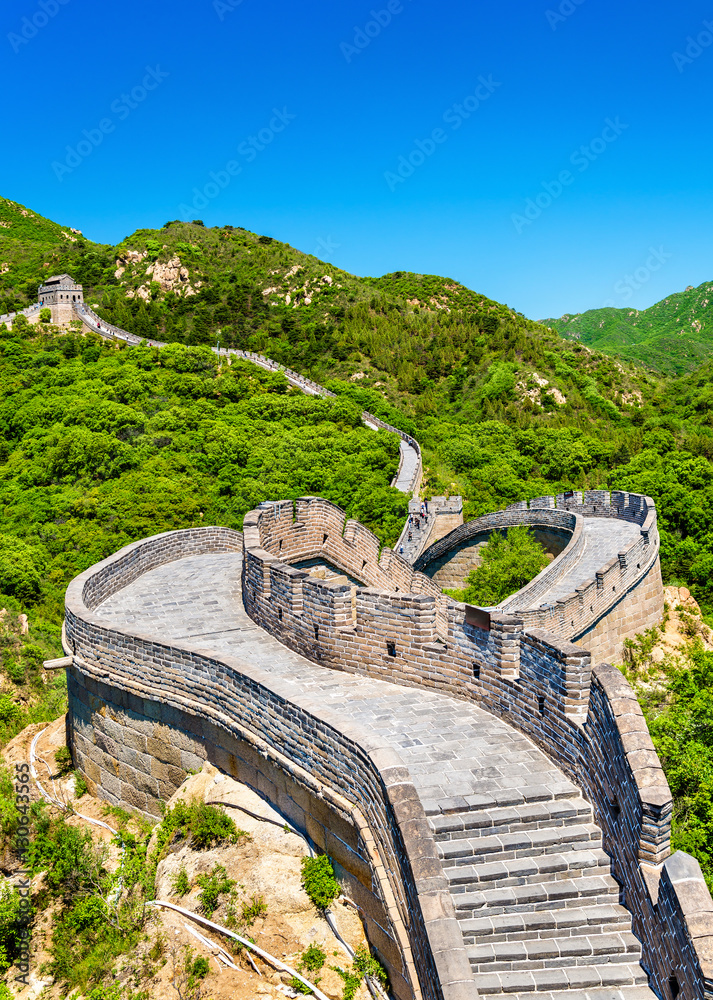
{"x": 667, "y": 894}
{"x": 141, "y": 713}
{"x": 640, "y": 608}
{"x": 588, "y": 721}
{"x": 623, "y": 598}
{"x": 135, "y": 752}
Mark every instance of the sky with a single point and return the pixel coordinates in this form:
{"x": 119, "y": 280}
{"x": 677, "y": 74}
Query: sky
{"x": 554, "y": 155}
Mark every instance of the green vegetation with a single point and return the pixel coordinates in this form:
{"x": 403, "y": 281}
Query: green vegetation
{"x": 509, "y": 561}
{"x": 181, "y": 883}
{"x": 213, "y": 886}
{"x": 364, "y": 965}
{"x": 311, "y": 963}
{"x": 63, "y": 760}
{"x": 318, "y": 881}
{"x": 23, "y": 648}
{"x": 100, "y": 916}
{"x": 102, "y": 446}
{"x": 677, "y": 697}
{"x": 188, "y": 974}
{"x": 674, "y": 336}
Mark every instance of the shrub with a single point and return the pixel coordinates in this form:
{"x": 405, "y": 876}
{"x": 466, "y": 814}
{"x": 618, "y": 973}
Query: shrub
{"x": 367, "y": 965}
{"x": 63, "y": 760}
{"x": 205, "y": 825}
{"x": 20, "y": 568}
{"x": 257, "y": 907}
{"x": 312, "y": 959}
{"x": 213, "y": 886}
{"x": 15, "y": 670}
{"x": 508, "y": 563}
{"x": 45, "y": 315}
{"x": 181, "y": 882}
{"x": 201, "y": 967}
{"x": 12, "y": 921}
{"x": 9, "y": 711}
{"x": 80, "y": 786}
{"x": 318, "y": 881}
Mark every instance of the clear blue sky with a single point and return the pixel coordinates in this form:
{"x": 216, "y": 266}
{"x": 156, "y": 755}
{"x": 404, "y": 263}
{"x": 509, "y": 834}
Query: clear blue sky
{"x": 322, "y": 176}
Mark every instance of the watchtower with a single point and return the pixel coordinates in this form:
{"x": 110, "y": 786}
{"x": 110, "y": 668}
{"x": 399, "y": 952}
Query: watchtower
{"x": 60, "y": 293}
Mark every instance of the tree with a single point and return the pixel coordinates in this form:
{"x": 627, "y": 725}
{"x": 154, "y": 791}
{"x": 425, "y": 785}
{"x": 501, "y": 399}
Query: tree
{"x": 508, "y": 563}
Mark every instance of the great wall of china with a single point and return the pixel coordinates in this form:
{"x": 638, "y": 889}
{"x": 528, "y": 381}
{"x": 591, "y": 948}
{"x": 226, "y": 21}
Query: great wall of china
{"x": 485, "y": 784}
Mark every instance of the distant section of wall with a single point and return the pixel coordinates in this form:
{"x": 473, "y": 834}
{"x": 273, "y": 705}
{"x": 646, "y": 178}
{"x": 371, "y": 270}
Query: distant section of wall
{"x": 625, "y": 596}
{"x": 408, "y": 481}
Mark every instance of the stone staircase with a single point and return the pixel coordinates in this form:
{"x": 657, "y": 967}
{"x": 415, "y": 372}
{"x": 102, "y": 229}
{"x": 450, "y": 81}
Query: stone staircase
{"x": 538, "y": 906}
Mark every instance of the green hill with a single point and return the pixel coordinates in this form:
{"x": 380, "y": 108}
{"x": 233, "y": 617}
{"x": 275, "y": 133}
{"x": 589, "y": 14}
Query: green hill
{"x": 674, "y": 336}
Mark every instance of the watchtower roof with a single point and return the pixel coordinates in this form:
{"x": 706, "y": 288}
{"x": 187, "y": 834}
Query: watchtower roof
{"x": 60, "y": 281}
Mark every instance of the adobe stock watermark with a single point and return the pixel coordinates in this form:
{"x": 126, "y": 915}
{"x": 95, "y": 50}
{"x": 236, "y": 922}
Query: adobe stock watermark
{"x": 695, "y": 47}
{"x": 122, "y": 107}
{"x": 631, "y": 283}
{"x": 223, "y": 7}
{"x": 326, "y": 247}
{"x": 249, "y": 150}
{"x": 22, "y": 880}
{"x": 363, "y": 37}
{"x": 32, "y": 26}
{"x": 581, "y": 158}
{"x": 455, "y": 116}
{"x": 563, "y": 12}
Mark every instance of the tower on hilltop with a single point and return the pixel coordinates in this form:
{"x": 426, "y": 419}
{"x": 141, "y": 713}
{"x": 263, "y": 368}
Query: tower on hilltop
{"x": 60, "y": 293}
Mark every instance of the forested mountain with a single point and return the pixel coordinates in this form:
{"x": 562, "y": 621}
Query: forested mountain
{"x": 673, "y": 336}
{"x": 103, "y": 444}
{"x": 504, "y": 407}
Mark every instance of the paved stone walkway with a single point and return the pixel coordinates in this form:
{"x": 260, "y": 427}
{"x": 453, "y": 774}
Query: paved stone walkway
{"x": 604, "y": 539}
{"x": 474, "y": 775}
{"x": 452, "y": 749}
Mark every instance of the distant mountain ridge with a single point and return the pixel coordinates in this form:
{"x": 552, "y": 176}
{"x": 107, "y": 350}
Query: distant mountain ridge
{"x": 417, "y": 341}
{"x": 674, "y": 336}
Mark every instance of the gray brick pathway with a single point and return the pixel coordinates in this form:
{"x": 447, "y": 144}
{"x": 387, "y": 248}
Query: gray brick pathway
{"x": 531, "y": 885}
{"x": 604, "y": 539}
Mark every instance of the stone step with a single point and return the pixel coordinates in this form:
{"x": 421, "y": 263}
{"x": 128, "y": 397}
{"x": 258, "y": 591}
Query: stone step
{"x": 577, "y": 977}
{"x": 546, "y": 895}
{"x": 522, "y": 844}
{"x": 548, "y": 953}
{"x": 507, "y": 819}
{"x": 525, "y": 871}
{"x": 552, "y": 788}
{"x": 532, "y": 924}
{"x": 600, "y": 993}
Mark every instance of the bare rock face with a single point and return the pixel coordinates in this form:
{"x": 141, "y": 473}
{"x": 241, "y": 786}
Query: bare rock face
{"x": 170, "y": 275}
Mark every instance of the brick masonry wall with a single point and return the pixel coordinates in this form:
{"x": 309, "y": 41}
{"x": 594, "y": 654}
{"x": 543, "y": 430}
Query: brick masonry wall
{"x": 136, "y": 759}
{"x": 538, "y": 681}
{"x": 624, "y": 598}
{"x": 667, "y": 894}
{"x": 640, "y": 608}
{"x": 142, "y": 713}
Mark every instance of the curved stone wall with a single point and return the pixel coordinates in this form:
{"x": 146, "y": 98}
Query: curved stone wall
{"x": 587, "y": 719}
{"x": 564, "y": 525}
{"x": 142, "y": 713}
{"x": 623, "y": 597}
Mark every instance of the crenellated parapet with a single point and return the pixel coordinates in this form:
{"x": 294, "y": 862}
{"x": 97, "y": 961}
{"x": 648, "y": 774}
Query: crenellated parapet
{"x": 586, "y": 717}
{"x": 604, "y": 586}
